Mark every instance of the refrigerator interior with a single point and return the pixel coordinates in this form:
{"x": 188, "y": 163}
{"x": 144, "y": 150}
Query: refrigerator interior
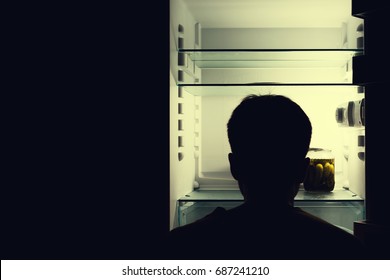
{"x": 221, "y": 51}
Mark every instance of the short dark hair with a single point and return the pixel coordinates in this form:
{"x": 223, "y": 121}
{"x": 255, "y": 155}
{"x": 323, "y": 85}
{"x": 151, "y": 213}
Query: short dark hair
{"x": 269, "y": 126}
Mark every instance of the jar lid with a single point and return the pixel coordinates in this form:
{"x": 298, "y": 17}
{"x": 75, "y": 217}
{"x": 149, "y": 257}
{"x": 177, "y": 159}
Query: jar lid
{"x": 319, "y": 150}
{"x": 320, "y": 153}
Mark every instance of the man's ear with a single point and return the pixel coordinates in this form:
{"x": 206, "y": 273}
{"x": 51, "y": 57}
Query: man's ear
{"x": 234, "y": 166}
{"x": 303, "y": 170}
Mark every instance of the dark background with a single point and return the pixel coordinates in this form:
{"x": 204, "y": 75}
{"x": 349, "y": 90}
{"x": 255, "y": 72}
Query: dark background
{"x": 86, "y": 130}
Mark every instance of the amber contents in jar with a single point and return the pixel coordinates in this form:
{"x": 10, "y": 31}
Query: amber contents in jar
{"x": 320, "y": 174}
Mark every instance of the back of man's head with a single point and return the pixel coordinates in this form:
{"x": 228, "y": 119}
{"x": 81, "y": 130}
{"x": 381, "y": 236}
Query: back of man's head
{"x": 269, "y": 135}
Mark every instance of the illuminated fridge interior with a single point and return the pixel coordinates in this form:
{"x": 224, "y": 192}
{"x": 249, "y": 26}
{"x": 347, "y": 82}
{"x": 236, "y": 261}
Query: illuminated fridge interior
{"x": 221, "y": 51}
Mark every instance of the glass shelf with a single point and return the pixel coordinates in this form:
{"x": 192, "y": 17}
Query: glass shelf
{"x": 274, "y": 67}
{"x": 265, "y": 88}
{"x": 235, "y": 195}
{"x": 271, "y": 58}
{"x": 340, "y": 207}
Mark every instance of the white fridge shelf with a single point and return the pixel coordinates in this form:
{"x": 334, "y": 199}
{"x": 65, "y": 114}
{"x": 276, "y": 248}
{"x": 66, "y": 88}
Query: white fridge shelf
{"x": 271, "y": 58}
{"x": 235, "y": 195}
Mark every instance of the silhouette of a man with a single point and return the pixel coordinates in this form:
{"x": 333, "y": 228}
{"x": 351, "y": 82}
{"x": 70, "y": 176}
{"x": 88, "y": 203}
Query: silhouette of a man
{"x": 269, "y": 137}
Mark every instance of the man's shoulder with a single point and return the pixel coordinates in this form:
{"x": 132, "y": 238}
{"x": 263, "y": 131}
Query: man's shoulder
{"x": 289, "y": 234}
{"x": 317, "y": 229}
{"x": 307, "y": 220}
{"x": 204, "y": 225}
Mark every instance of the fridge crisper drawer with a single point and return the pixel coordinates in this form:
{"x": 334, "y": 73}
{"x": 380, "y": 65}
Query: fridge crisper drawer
{"x": 340, "y": 213}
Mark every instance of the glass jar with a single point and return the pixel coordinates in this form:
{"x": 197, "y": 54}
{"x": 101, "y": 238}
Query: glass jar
{"x": 320, "y": 174}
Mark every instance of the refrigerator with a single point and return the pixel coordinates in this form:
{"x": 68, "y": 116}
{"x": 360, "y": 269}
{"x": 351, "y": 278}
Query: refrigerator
{"x": 314, "y": 52}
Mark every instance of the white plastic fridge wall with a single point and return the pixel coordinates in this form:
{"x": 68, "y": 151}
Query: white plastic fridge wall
{"x": 182, "y": 171}
{"x": 319, "y": 103}
{"x": 182, "y": 161}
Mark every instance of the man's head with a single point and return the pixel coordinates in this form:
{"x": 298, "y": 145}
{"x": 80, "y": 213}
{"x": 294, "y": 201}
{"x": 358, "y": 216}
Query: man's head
{"x": 269, "y": 137}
